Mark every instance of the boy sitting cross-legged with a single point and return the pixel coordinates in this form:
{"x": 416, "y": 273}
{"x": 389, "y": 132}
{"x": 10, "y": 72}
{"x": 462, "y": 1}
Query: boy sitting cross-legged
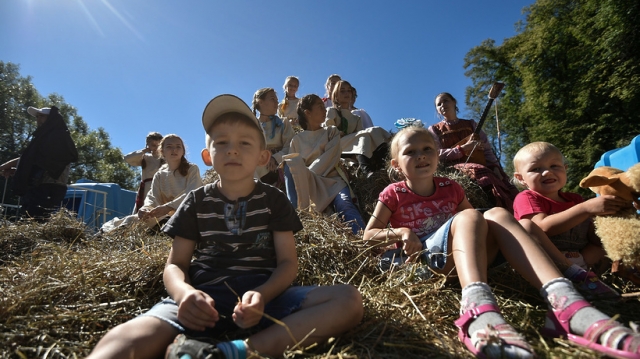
{"x": 240, "y": 233}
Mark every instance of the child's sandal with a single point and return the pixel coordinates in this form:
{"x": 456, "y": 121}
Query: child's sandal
{"x": 557, "y": 325}
{"x": 504, "y": 333}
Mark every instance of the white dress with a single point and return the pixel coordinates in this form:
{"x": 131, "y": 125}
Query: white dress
{"x": 314, "y": 170}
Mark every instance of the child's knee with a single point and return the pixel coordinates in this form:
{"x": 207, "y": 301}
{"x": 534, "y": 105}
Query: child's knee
{"x": 350, "y": 299}
{"x": 498, "y": 214}
{"x": 469, "y": 216}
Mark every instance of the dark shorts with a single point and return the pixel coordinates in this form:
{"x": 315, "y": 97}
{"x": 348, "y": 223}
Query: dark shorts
{"x": 225, "y": 300}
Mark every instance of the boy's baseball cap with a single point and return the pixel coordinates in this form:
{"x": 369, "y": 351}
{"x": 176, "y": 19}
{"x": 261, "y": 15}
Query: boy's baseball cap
{"x": 224, "y": 104}
{"x": 35, "y": 111}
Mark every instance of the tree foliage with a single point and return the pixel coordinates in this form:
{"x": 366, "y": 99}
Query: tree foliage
{"x": 98, "y": 160}
{"x": 573, "y": 79}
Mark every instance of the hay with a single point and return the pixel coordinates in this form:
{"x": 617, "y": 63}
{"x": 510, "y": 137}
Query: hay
{"x": 63, "y": 288}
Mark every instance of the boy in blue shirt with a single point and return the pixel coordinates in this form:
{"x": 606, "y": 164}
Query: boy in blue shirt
{"x": 239, "y": 233}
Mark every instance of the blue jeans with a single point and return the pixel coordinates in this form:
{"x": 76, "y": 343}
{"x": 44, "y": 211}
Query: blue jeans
{"x": 342, "y": 202}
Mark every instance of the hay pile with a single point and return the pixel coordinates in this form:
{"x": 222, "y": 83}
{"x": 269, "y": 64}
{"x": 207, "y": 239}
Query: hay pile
{"x": 62, "y": 288}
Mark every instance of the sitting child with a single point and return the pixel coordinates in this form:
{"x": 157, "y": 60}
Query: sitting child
{"x": 171, "y": 183}
{"x": 278, "y": 133}
{"x": 430, "y": 218}
{"x": 566, "y": 218}
{"x": 369, "y": 146}
{"x": 312, "y": 177}
{"x": 234, "y": 258}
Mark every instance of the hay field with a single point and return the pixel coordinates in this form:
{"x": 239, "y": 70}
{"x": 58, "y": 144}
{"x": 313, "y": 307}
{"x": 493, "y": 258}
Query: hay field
{"x": 62, "y": 288}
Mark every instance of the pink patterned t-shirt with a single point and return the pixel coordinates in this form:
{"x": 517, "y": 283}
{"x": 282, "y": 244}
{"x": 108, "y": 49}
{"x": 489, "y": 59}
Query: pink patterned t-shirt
{"x": 424, "y": 215}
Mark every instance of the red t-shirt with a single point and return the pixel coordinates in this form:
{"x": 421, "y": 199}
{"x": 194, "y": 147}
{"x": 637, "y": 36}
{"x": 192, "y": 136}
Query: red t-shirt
{"x": 424, "y": 215}
{"x": 530, "y": 202}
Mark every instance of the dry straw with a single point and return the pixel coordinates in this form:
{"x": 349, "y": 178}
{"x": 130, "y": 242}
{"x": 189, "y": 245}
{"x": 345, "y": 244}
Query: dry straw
{"x": 62, "y": 288}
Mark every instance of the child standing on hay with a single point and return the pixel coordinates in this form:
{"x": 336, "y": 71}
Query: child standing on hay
{"x": 569, "y": 235}
{"x": 430, "y": 217}
{"x": 313, "y": 178}
{"x": 239, "y": 232}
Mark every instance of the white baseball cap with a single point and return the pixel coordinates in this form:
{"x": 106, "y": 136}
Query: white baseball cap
{"x": 35, "y": 111}
{"x": 226, "y": 103}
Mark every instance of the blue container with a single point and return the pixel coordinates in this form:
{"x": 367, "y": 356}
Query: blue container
{"x": 97, "y": 203}
{"x": 622, "y": 158}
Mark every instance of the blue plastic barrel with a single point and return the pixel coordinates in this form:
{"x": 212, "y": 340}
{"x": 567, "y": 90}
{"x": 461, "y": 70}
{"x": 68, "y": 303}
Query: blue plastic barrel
{"x": 622, "y": 158}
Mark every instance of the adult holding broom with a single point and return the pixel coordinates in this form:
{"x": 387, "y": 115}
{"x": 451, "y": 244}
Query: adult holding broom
{"x": 42, "y": 172}
{"x": 466, "y": 147}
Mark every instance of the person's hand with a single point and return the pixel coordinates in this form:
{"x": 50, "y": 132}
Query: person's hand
{"x": 147, "y": 150}
{"x": 272, "y": 165}
{"x": 603, "y": 205}
{"x": 411, "y": 243}
{"x": 469, "y": 146}
{"x": 143, "y": 213}
{"x": 160, "y": 211}
{"x": 197, "y": 311}
{"x": 248, "y": 313}
{"x": 636, "y": 204}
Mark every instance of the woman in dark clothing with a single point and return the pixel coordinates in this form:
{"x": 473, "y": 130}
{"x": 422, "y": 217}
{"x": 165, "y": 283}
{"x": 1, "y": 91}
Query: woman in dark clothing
{"x": 42, "y": 172}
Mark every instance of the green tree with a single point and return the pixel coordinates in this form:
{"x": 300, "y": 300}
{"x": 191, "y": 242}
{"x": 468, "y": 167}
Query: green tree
{"x": 573, "y": 79}
{"x": 97, "y": 161}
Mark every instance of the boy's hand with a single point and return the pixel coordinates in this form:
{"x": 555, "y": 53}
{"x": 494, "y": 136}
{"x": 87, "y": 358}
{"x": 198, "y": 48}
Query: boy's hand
{"x": 605, "y": 204}
{"x": 249, "y": 312}
{"x": 197, "y": 311}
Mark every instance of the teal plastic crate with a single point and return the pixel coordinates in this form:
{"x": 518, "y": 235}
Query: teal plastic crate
{"x": 622, "y": 158}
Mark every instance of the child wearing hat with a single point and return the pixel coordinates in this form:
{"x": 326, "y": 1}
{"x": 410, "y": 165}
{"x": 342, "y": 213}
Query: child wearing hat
{"x": 239, "y": 232}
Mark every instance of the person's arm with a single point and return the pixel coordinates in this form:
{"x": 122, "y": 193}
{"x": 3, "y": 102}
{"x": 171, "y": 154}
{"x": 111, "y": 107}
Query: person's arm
{"x": 135, "y": 158}
{"x": 359, "y": 126}
{"x": 446, "y": 154}
{"x": 287, "y": 134}
{"x": 327, "y": 161}
{"x": 330, "y": 119}
{"x": 379, "y": 234}
{"x": 249, "y": 312}
{"x": 195, "y": 308}
{"x": 553, "y": 224}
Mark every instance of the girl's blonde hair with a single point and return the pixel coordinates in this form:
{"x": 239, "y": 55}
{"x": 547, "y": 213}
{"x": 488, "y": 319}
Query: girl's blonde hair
{"x": 394, "y": 174}
{"x": 259, "y": 95}
{"x": 183, "y": 168}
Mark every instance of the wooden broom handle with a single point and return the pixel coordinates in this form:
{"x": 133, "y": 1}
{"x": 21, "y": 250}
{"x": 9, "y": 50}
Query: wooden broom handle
{"x": 495, "y": 90}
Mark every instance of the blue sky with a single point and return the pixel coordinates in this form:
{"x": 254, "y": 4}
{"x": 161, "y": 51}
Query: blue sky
{"x": 134, "y": 66}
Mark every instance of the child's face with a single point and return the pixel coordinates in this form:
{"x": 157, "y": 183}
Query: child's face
{"x": 268, "y": 105}
{"x": 291, "y": 87}
{"x": 317, "y": 114}
{"x": 417, "y": 156}
{"x": 542, "y": 171}
{"x": 235, "y": 150}
{"x": 345, "y": 94}
{"x": 172, "y": 150}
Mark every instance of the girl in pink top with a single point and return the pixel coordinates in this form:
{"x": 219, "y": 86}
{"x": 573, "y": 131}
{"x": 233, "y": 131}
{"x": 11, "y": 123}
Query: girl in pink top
{"x": 431, "y": 219}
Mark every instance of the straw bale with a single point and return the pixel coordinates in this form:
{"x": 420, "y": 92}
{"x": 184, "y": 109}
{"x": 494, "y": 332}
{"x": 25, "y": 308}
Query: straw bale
{"x": 63, "y": 288}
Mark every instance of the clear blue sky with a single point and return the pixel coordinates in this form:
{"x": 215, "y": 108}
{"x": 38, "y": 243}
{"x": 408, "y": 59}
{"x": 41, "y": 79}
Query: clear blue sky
{"x": 134, "y": 66}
